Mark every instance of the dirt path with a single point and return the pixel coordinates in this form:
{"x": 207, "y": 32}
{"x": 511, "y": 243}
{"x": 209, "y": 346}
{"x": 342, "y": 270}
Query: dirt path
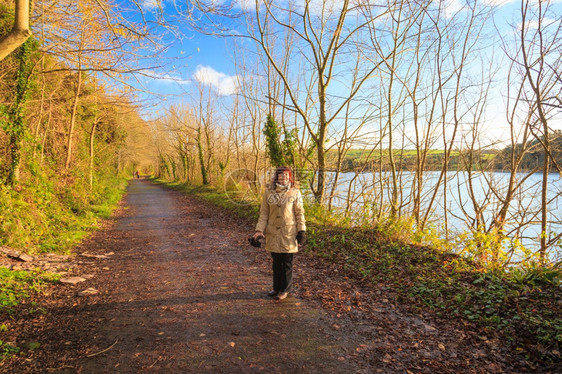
{"x": 183, "y": 292}
{"x": 180, "y": 294}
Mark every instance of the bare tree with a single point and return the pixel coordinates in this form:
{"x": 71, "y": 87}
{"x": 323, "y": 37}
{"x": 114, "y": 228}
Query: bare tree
{"x": 324, "y": 38}
{"x": 502, "y": 208}
{"x": 539, "y": 61}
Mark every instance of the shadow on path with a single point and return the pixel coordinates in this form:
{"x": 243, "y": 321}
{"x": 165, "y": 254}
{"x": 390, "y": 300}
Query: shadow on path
{"x": 180, "y": 294}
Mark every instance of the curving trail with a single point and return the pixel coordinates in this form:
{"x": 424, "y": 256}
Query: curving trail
{"x": 181, "y": 294}
{"x": 181, "y": 291}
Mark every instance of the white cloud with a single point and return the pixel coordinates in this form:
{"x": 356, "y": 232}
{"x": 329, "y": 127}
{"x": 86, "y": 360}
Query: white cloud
{"x": 451, "y": 7}
{"x": 534, "y": 25}
{"x": 246, "y": 4}
{"x": 498, "y": 2}
{"x": 506, "y": 2}
{"x": 224, "y": 84}
{"x": 150, "y": 4}
{"x": 166, "y": 78}
{"x": 327, "y": 6}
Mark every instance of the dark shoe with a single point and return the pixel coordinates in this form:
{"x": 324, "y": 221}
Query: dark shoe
{"x": 282, "y": 295}
{"x": 272, "y": 293}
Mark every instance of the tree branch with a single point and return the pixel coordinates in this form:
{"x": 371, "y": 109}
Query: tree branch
{"x": 19, "y": 33}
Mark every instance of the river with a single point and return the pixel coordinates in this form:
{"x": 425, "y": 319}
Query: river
{"x": 368, "y": 190}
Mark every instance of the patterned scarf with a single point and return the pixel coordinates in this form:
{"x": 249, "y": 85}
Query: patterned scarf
{"x": 281, "y": 188}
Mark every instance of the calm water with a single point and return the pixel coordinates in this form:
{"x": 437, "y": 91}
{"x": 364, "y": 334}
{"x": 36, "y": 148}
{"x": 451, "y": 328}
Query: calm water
{"x": 368, "y": 189}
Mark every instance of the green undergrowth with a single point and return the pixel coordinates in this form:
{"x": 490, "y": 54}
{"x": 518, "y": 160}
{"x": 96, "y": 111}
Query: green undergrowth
{"x": 42, "y": 216}
{"x": 46, "y": 214}
{"x": 18, "y": 285}
{"x": 15, "y": 287}
{"x": 7, "y": 350}
{"x": 216, "y": 197}
{"x": 524, "y": 305}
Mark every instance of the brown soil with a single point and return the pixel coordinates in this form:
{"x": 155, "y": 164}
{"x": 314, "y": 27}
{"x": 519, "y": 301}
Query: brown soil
{"x": 183, "y": 292}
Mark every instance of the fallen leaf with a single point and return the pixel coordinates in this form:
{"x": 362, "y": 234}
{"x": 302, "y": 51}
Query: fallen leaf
{"x": 88, "y": 292}
{"x": 232, "y": 344}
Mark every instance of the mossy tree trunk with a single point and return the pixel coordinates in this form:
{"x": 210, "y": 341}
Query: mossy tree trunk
{"x": 16, "y": 125}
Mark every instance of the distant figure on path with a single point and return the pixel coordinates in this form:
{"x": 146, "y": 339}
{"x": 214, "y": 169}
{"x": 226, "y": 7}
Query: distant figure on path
{"x": 137, "y": 174}
{"x": 282, "y": 220}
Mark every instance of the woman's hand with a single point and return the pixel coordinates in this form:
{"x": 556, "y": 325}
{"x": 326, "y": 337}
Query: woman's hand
{"x": 301, "y": 238}
{"x": 255, "y": 239}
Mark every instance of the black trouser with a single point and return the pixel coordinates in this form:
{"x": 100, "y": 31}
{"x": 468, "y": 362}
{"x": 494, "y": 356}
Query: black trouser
{"x": 282, "y": 271}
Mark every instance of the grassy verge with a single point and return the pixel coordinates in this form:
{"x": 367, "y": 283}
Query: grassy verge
{"x": 524, "y": 306}
{"x": 41, "y": 217}
{"x": 15, "y": 288}
{"x": 17, "y": 285}
{"x": 216, "y": 197}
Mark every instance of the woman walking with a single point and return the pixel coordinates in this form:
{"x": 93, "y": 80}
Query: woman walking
{"x": 282, "y": 221}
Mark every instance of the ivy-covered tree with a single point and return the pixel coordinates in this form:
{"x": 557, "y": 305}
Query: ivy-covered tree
{"x": 272, "y": 134}
{"x": 282, "y": 144}
{"x": 15, "y": 124}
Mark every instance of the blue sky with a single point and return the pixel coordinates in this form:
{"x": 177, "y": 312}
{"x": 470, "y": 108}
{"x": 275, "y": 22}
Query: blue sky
{"x": 211, "y": 52}
{"x": 197, "y": 50}
{"x": 206, "y": 60}
{"x": 198, "y": 58}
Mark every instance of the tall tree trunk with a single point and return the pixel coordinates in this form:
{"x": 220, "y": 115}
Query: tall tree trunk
{"x": 321, "y": 151}
{"x": 204, "y": 171}
{"x": 92, "y": 137}
{"x": 37, "y": 129}
{"x": 391, "y": 161}
{"x": 16, "y": 129}
{"x": 73, "y": 120}
{"x": 536, "y": 73}
{"x": 75, "y": 101}
{"x": 46, "y": 134}
{"x": 544, "y": 200}
{"x": 20, "y": 31}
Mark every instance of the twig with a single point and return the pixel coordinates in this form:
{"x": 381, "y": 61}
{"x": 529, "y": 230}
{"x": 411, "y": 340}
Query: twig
{"x": 105, "y": 350}
{"x": 158, "y": 359}
{"x": 62, "y": 367}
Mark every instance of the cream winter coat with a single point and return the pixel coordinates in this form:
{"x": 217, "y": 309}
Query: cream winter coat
{"x": 281, "y": 217}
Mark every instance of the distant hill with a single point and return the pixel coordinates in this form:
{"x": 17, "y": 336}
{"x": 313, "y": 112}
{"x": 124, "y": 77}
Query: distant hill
{"x": 406, "y": 159}
{"x": 535, "y": 157}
